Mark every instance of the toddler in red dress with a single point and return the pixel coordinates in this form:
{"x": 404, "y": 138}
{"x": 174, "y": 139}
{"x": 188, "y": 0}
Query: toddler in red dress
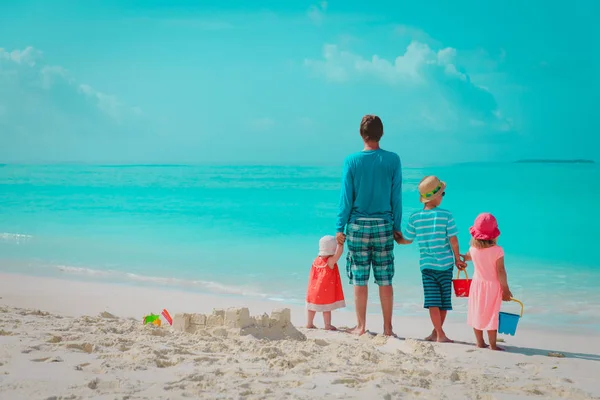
{"x": 325, "y": 292}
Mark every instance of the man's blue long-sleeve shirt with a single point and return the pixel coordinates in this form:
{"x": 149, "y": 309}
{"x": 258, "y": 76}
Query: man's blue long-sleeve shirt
{"x": 371, "y": 188}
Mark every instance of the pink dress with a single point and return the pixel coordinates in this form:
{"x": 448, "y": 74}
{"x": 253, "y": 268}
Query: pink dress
{"x": 485, "y": 295}
{"x": 325, "y": 291}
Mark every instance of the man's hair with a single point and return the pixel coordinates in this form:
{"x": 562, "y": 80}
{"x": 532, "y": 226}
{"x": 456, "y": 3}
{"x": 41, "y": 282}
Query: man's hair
{"x": 371, "y": 128}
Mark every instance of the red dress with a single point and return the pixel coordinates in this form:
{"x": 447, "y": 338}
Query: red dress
{"x": 325, "y": 291}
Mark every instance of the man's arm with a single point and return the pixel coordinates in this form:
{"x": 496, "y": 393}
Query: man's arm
{"x": 409, "y": 235}
{"x": 397, "y": 197}
{"x": 346, "y": 198}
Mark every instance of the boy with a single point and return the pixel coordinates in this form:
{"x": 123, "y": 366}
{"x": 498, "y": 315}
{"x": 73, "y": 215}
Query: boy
{"x": 435, "y": 231}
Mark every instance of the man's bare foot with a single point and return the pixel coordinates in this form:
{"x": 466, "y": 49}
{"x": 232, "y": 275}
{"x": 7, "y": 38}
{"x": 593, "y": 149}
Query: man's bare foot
{"x": 432, "y": 337}
{"x": 496, "y": 348}
{"x": 356, "y": 331}
{"x": 482, "y": 345}
{"x": 389, "y": 332}
{"x": 330, "y": 328}
{"x": 444, "y": 339}
{"x": 310, "y": 326}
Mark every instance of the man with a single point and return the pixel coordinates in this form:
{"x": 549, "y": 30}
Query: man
{"x": 371, "y": 213}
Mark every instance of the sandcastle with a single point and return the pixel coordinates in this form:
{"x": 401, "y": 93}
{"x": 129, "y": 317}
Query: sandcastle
{"x": 238, "y": 321}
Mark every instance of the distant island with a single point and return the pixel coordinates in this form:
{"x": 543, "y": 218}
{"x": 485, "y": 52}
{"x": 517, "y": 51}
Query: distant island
{"x": 555, "y": 162}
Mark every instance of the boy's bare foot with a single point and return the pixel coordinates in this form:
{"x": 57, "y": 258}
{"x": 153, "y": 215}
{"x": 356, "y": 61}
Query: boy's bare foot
{"x": 310, "y": 326}
{"x": 444, "y": 339}
{"x": 389, "y": 332}
{"x": 496, "y": 348}
{"x": 356, "y": 331}
{"x": 432, "y": 337}
{"x": 330, "y": 328}
{"x": 482, "y": 345}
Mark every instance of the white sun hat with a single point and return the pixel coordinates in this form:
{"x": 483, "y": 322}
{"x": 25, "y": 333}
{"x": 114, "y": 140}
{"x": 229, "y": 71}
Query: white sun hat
{"x": 327, "y": 246}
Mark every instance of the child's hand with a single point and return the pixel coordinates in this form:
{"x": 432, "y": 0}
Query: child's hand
{"x": 506, "y": 294}
{"x": 460, "y": 264}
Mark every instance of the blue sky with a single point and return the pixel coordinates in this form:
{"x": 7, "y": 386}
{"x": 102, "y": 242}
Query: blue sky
{"x": 288, "y": 82}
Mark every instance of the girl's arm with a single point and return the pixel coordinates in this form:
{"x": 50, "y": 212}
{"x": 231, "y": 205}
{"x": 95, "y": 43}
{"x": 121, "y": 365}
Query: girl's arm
{"x": 467, "y": 257}
{"x": 331, "y": 261}
{"x": 506, "y": 294}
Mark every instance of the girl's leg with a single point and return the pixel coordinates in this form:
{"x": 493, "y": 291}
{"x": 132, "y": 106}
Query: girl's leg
{"x": 493, "y": 337}
{"x": 327, "y": 320}
{"x": 479, "y": 337}
{"x": 310, "y": 319}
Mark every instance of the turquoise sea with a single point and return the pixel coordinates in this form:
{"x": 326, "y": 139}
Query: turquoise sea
{"x": 254, "y": 231}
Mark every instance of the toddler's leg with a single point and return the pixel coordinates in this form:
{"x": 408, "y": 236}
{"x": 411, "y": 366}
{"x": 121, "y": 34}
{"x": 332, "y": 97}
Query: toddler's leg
{"x": 492, "y": 335}
{"x": 479, "y": 336}
{"x": 327, "y": 320}
{"x": 310, "y": 320}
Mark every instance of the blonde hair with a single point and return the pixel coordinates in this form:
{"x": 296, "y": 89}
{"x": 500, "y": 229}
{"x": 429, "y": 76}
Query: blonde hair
{"x": 483, "y": 244}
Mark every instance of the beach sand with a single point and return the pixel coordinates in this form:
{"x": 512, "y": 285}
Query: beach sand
{"x": 65, "y": 339}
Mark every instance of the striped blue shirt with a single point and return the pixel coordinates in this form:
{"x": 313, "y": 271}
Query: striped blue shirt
{"x": 432, "y": 230}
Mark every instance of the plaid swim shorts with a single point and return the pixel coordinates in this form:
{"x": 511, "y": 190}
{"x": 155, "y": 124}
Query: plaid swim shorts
{"x": 437, "y": 287}
{"x": 370, "y": 244}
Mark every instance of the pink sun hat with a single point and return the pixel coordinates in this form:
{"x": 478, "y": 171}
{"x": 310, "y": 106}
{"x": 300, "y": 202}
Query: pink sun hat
{"x": 485, "y": 227}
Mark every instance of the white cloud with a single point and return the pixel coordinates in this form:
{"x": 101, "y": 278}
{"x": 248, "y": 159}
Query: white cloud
{"x": 47, "y": 115}
{"x": 431, "y": 74}
{"x": 26, "y": 67}
{"x": 410, "y": 67}
{"x": 316, "y": 13}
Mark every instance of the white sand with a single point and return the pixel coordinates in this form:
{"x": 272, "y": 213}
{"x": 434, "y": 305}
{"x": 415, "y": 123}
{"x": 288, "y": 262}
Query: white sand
{"x": 70, "y": 351}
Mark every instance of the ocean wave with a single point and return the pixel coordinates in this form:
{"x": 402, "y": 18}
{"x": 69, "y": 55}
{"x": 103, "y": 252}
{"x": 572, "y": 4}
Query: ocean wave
{"x": 15, "y": 237}
{"x": 210, "y": 286}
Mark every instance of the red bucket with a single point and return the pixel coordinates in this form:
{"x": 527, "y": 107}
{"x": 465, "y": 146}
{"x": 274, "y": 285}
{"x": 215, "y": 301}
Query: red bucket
{"x": 461, "y": 286}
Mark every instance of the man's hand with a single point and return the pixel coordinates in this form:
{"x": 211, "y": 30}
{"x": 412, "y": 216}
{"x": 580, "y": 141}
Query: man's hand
{"x": 340, "y": 237}
{"x": 398, "y": 236}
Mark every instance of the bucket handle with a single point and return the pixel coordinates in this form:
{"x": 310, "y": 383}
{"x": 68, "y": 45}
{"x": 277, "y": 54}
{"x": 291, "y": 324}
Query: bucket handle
{"x": 517, "y": 301}
{"x": 463, "y": 270}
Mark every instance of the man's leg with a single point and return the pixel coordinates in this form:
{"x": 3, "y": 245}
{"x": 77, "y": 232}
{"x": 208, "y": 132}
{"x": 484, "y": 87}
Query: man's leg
{"x": 358, "y": 267}
{"x": 382, "y": 239}
{"x": 386, "y": 295}
{"x": 361, "y": 294}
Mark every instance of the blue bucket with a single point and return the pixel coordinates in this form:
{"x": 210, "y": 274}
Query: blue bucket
{"x": 507, "y": 323}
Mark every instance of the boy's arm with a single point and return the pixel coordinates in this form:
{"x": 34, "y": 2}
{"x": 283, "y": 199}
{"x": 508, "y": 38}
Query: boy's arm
{"x": 331, "y": 261}
{"x": 454, "y": 243}
{"x": 397, "y": 197}
{"x": 409, "y": 234}
{"x": 400, "y": 238}
{"x": 346, "y": 199}
{"x": 452, "y": 233}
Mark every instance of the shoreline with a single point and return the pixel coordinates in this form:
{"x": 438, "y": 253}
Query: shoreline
{"x": 76, "y": 340}
{"x": 57, "y": 294}
{"x": 403, "y": 307}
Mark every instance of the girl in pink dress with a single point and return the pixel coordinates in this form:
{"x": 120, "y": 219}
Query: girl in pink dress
{"x": 490, "y": 283}
{"x": 325, "y": 292}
